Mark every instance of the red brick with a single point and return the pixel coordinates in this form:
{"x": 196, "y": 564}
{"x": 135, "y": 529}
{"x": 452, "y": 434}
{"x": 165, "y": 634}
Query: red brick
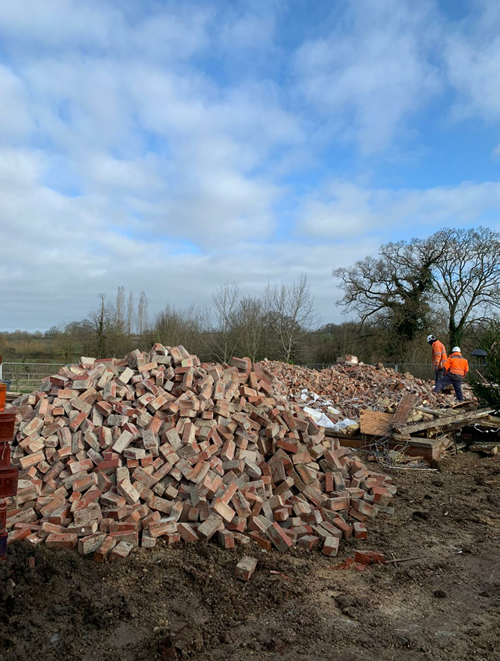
{"x": 226, "y": 539}
{"x": 360, "y": 531}
{"x": 245, "y": 568}
{"x": 121, "y": 550}
{"x": 279, "y": 538}
{"x": 308, "y": 542}
{"x": 208, "y": 528}
{"x": 61, "y": 541}
{"x": 91, "y": 543}
{"x": 331, "y": 546}
{"x": 187, "y": 532}
{"x": 102, "y": 552}
{"x": 369, "y": 557}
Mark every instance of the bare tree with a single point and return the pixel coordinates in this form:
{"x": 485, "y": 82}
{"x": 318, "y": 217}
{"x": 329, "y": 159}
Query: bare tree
{"x": 251, "y": 315}
{"x": 120, "y": 310}
{"x": 65, "y": 343}
{"x": 467, "y": 276}
{"x": 227, "y": 329}
{"x": 130, "y": 314}
{"x": 292, "y": 314}
{"x": 173, "y": 327}
{"x": 142, "y": 314}
{"x": 394, "y": 289}
{"x": 100, "y": 320}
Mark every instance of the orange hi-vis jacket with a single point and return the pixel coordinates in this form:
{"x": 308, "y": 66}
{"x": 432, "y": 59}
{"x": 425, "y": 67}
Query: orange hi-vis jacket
{"x": 438, "y": 355}
{"x": 456, "y": 364}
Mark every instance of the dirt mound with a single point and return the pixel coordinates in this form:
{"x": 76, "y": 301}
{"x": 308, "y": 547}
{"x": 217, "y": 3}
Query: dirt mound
{"x": 184, "y": 602}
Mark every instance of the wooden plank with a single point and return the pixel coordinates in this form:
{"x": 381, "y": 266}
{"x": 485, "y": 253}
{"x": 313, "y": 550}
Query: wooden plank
{"x": 443, "y": 422}
{"x": 404, "y": 409}
{"x": 487, "y": 448}
{"x": 427, "y": 450}
{"x": 375, "y": 423}
{"x": 491, "y": 422}
{"x": 415, "y": 446}
{"x": 438, "y": 413}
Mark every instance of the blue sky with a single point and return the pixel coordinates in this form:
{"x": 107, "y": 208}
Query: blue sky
{"x": 175, "y": 146}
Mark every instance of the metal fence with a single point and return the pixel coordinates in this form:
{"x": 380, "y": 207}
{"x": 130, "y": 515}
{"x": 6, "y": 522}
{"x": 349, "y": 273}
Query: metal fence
{"x": 426, "y": 371}
{"x": 25, "y": 377}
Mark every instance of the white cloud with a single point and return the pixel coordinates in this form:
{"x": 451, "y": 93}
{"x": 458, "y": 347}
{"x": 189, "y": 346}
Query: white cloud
{"x": 347, "y": 210}
{"x": 15, "y": 120}
{"x": 147, "y": 144}
{"x": 372, "y": 71}
{"x": 73, "y": 253}
{"x": 472, "y": 57}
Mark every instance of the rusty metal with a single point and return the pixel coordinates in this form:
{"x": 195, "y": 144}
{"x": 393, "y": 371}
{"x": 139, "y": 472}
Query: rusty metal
{"x": 8, "y": 475}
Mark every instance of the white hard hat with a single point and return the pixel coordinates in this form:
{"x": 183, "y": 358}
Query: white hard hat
{"x": 455, "y": 350}
{"x": 431, "y": 338}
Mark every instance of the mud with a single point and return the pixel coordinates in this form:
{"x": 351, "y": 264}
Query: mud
{"x": 184, "y": 603}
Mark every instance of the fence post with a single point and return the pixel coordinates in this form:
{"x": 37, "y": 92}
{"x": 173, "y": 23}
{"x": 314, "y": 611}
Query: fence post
{"x": 396, "y": 366}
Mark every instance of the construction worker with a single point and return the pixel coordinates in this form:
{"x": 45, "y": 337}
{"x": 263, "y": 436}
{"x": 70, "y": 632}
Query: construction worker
{"x": 438, "y": 356}
{"x": 455, "y": 367}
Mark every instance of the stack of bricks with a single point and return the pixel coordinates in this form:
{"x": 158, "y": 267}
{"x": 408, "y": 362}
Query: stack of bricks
{"x": 115, "y": 454}
{"x": 8, "y": 475}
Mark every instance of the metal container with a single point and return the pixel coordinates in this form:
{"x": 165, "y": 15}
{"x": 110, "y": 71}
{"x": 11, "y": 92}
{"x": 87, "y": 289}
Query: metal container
{"x": 7, "y": 426}
{"x": 3, "y": 545}
{"x": 3, "y": 515}
{"x": 4, "y": 455}
{"x": 8, "y": 483}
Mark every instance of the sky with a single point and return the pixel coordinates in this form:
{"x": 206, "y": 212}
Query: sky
{"x": 172, "y": 147}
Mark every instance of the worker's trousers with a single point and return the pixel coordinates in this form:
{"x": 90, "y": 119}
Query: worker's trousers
{"x": 439, "y": 374}
{"x": 454, "y": 380}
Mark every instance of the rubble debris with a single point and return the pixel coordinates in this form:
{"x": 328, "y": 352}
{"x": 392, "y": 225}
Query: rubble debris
{"x": 341, "y": 392}
{"x": 114, "y": 454}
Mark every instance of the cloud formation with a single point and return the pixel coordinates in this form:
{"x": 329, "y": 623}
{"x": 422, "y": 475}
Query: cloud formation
{"x": 172, "y": 148}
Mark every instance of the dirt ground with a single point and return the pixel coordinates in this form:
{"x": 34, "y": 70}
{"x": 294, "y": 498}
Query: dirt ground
{"x": 183, "y": 602}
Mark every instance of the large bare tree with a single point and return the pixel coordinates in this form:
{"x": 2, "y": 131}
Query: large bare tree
{"x": 226, "y": 329}
{"x": 454, "y": 269}
{"x": 130, "y": 314}
{"x": 291, "y": 311}
{"x": 251, "y": 317}
{"x": 394, "y": 288}
{"x": 142, "y": 314}
{"x": 466, "y": 277}
{"x": 173, "y": 327}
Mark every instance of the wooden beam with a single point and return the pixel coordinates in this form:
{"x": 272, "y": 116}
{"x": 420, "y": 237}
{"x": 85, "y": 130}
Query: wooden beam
{"x": 404, "y": 409}
{"x": 487, "y": 448}
{"x": 443, "y": 422}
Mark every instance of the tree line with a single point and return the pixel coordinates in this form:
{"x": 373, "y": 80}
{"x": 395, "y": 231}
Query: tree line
{"x": 447, "y": 284}
{"x": 273, "y": 325}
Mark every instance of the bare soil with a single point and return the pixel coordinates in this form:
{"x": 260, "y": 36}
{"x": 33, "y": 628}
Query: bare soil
{"x": 184, "y": 603}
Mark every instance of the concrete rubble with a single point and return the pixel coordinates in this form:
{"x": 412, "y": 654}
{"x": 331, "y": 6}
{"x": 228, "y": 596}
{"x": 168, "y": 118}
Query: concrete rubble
{"x": 115, "y": 454}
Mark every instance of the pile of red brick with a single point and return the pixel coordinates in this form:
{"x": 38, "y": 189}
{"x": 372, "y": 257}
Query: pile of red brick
{"x": 119, "y": 453}
{"x": 352, "y": 387}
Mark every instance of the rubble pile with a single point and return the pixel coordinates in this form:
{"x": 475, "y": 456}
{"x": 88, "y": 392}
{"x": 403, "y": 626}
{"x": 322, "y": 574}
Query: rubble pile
{"x": 115, "y": 454}
{"x": 349, "y": 387}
